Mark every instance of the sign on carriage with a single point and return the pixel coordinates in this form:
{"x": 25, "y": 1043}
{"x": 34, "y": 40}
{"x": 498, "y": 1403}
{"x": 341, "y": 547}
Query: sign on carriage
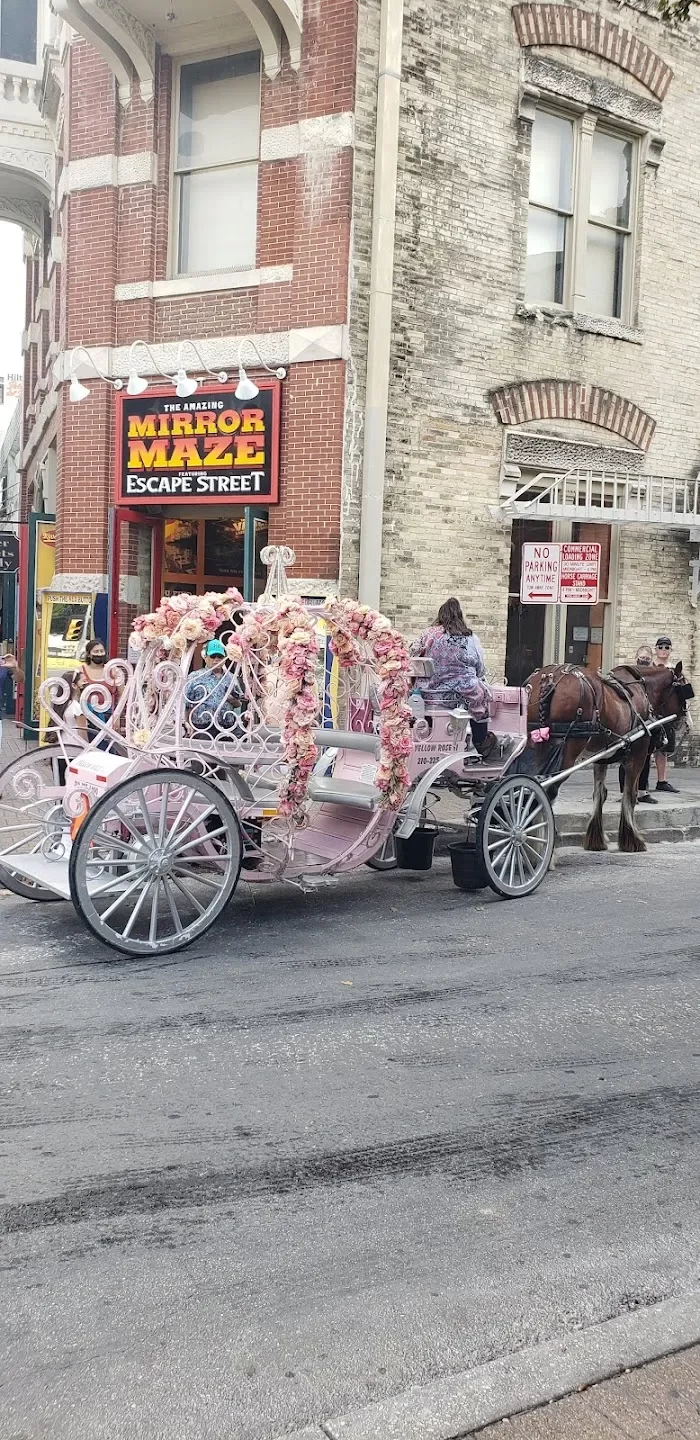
{"x": 560, "y": 574}
{"x": 208, "y": 448}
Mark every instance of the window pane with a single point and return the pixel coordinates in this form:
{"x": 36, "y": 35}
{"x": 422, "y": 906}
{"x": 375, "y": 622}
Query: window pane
{"x": 180, "y": 547}
{"x": 551, "y": 164}
{"x": 611, "y": 178}
{"x": 223, "y": 548}
{"x": 605, "y": 257}
{"x": 219, "y": 112}
{"x": 546, "y": 241}
{"x": 18, "y": 30}
{"x": 218, "y": 219}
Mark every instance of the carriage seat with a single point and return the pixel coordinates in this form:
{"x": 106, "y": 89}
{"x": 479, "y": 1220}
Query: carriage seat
{"x": 342, "y": 790}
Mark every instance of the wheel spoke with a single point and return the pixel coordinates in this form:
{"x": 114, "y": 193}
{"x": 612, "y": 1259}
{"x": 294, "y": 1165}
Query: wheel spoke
{"x": 199, "y": 879}
{"x": 153, "y": 925}
{"x": 201, "y": 839}
{"x": 143, "y": 807}
{"x": 123, "y": 821}
{"x": 113, "y": 842}
{"x": 173, "y": 907}
{"x": 137, "y": 909}
{"x": 163, "y": 813}
{"x": 200, "y": 819}
{"x": 105, "y": 914}
{"x": 181, "y": 812}
{"x": 201, "y": 909}
{"x": 501, "y": 861}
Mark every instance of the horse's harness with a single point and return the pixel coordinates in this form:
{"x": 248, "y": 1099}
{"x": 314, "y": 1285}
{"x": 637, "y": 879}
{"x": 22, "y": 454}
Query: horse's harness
{"x": 580, "y": 728}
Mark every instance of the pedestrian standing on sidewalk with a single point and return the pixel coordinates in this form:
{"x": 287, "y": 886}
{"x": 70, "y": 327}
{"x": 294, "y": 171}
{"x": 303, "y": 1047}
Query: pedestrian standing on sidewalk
{"x": 644, "y": 660}
{"x": 8, "y": 669}
{"x": 662, "y": 655}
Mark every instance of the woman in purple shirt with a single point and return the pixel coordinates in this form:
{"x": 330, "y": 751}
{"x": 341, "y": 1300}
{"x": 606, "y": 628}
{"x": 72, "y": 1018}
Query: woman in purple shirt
{"x": 459, "y": 677}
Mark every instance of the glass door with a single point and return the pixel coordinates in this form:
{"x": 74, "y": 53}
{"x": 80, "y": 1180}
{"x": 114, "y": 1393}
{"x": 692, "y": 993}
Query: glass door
{"x": 135, "y": 572}
{"x": 203, "y": 554}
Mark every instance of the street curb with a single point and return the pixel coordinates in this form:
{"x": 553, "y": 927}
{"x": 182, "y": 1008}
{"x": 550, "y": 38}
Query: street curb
{"x": 571, "y": 828}
{"x": 465, "y": 1403}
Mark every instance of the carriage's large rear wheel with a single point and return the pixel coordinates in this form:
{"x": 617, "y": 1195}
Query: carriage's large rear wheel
{"x": 515, "y": 836}
{"x": 156, "y": 861}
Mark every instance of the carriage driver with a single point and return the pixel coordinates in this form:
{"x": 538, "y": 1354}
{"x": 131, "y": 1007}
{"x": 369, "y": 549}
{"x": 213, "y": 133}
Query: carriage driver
{"x": 459, "y": 671}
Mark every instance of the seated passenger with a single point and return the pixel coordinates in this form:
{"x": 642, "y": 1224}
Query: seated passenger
{"x": 215, "y": 703}
{"x": 459, "y": 672}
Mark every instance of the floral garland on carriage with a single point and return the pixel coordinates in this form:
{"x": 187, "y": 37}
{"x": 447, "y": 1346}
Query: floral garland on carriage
{"x": 282, "y": 631}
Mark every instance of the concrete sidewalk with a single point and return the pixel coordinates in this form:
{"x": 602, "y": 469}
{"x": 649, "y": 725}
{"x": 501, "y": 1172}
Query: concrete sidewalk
{"x": 661, "y": 1399}
{"x": 675, "y": 817}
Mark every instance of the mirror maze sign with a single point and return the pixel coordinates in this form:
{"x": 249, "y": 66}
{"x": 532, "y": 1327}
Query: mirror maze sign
{"x": 204, "y": 450}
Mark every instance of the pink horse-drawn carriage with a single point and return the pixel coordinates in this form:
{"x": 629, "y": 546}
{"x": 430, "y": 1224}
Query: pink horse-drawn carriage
{"x": 298, "y": 757}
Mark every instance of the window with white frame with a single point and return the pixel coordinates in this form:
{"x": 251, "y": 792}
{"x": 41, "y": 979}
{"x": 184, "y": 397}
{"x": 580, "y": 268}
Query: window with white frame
{"x": 581, "y": 215}
{"x": 18, "y": 30}
{"x": 216, "y": 164}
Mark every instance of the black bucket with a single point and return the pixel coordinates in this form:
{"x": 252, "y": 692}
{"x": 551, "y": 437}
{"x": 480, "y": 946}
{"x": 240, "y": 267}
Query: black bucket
{"x": 467, "y": 867}
{"x": 416, "y": 852}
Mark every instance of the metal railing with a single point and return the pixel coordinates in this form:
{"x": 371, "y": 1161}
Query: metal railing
{"x": 608, "y": 495}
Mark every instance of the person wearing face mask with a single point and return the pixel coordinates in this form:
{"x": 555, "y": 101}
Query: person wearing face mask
{"x": 92, "y": 671}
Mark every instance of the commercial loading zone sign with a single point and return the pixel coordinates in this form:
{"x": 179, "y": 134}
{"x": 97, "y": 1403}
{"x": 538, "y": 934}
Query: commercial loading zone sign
{"x": 566, "y": 574}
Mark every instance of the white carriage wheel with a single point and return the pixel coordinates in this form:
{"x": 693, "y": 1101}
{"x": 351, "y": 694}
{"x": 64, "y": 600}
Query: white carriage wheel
{"x": 385, "y": 857}
{"x": 29, "y": 822}
{"x": 515, "y": 836}
{"x": 156, "y": 861}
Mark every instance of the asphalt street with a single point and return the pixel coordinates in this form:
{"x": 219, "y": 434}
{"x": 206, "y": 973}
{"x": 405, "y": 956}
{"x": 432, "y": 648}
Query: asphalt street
{"x": 353, "y": 1140}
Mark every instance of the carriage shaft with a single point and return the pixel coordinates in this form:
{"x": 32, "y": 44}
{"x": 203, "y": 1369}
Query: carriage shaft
{"x": 608, "y": 754}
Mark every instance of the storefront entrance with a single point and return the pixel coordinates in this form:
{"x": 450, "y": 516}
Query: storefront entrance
{"x": 546, "y": 634}
{"x": 155, "y": 554}
{"x": 204, "y": 554}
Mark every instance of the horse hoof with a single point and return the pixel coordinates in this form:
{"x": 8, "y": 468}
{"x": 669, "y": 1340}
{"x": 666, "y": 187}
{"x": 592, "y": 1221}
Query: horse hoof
{"x": 594, "y": 844}
{"x": 631, "y": 847}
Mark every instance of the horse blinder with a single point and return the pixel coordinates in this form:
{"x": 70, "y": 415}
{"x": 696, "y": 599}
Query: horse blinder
{"x": 684, "y": 690}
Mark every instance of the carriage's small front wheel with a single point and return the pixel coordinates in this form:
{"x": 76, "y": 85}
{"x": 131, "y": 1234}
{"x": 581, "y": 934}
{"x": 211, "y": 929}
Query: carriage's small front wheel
{"x": 515, "y": 836}
{"x": 156, "y": 861}
{"x": 385, "y": 857}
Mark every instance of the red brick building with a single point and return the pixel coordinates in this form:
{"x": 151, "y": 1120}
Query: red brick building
{"x": 192, "y": 208}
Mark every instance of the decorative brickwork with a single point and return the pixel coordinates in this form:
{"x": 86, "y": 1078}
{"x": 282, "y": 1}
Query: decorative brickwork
{"x": 570, "y": 400}
{"x": 578, "y": 30}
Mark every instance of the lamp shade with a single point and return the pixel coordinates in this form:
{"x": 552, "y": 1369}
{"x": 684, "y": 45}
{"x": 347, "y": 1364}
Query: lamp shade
{"x": 184, "y": 386}
{"x": 246, "y": 388}
{"x": 136, "y": 384}
{"x": 77, "y": 391}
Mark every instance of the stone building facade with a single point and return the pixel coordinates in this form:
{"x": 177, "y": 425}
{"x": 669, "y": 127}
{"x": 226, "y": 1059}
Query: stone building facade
{"x": 491, "y": 386}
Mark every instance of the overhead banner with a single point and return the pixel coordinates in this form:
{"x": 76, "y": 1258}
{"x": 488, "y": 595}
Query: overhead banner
{"x": 209, "y": 449}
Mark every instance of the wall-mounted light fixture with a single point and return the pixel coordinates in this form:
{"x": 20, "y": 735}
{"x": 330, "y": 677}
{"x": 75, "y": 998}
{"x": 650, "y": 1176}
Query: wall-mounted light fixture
{"x": 246, "y": 388}
{"x": 77, "y": 390}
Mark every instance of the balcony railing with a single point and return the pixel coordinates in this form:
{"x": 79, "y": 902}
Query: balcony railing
{"x": 16, "y": 85}
{"x": 610, "y": 496}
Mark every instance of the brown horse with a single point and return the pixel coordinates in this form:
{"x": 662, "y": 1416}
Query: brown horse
{"x": 574, "y": 713}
